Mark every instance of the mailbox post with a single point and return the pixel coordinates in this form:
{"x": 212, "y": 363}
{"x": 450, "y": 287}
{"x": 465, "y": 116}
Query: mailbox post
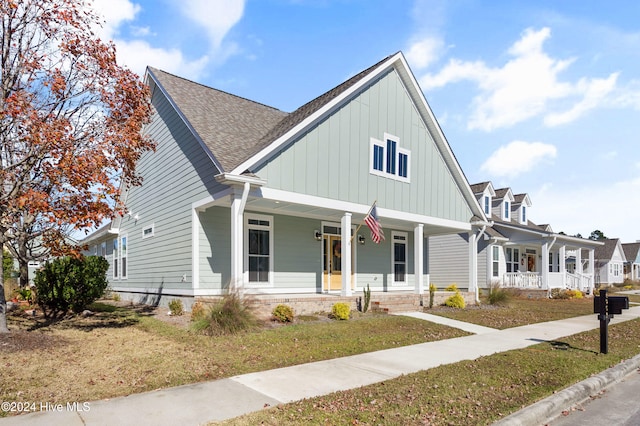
{"x": 606, "y": 308}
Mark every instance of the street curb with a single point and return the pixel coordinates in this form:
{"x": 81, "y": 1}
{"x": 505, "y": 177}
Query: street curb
{"x": 542, "y": 412}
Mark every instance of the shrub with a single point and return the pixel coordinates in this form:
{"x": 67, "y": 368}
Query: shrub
{"x": 230, "y": 315}
{"x": 197, "y": 311}
{"x": 498, "y": 296}
{"x": 432, "y": 294}
{"x": 340, "y": 311}
{"x": 70, "y": 283}
{"x": 455, "y": 301}
{"x": 452, "y": 287}
{"x": 176, "y": 308}
{"x": 557, "y": 293}
{"x": 283, "y": 313}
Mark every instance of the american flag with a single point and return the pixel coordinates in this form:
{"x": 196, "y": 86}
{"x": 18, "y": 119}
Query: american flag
{"x": 374, "y": 224}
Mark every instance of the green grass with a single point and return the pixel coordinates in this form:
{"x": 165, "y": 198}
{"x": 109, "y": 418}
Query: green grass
{"x": 519, "y": 312}
{"x": 476, "y": 392}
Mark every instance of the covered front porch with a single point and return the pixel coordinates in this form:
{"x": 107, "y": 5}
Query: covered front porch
{"x": 266, "y": 241}
{"x": 552, "y": 262}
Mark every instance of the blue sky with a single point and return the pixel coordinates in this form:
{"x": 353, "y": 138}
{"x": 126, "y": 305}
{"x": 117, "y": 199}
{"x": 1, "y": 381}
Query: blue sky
{"x": 540, "y": 96}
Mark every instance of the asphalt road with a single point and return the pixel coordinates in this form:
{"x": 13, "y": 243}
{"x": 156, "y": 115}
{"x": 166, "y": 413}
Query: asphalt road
{"x": 618, "y": 405}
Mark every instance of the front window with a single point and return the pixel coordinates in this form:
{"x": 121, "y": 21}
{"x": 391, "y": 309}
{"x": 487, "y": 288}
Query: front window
{"x": 389, "y": 160}
{"x": 513, "y": 256}
{"x": 378, "y": 157}
{"x": 123, "y": 257}
{"x": 116, "y": 259}
{"x": 495, "y": 270}
{"x": 391, "y": 156}
{"x": 259, "y": 249}
{"x": 399, "y": 257}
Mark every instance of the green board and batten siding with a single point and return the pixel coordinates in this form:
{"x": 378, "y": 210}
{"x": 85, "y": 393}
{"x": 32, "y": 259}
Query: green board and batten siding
{"x": 165, "y": 259}
{"x": 332, "y": 159}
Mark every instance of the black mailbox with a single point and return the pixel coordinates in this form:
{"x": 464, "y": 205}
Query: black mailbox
{"x": 617, "y": 304}
{"x": 596, "y": 304}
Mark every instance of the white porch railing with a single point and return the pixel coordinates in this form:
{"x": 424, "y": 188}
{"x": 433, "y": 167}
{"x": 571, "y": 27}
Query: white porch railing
{"x": 522, "y": 280}
{"x": 567, "y": 280}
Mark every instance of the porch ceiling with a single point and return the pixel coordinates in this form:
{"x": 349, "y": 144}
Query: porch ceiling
{"x": 287, "y": 208}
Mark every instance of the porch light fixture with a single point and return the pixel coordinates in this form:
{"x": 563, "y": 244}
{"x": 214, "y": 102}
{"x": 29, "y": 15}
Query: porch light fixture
{"x": 317, "y": 235}
{"x": 361, "y": 239}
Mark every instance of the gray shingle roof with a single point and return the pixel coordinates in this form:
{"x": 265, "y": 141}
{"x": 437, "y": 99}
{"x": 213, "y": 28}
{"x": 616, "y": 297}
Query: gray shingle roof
{"x": 631, "y": 251}
{"x": 478, "y": 188}
{"x": 229, "y": 125}
{"x": 605, "y": 252}
{"x": 233, "y": 128}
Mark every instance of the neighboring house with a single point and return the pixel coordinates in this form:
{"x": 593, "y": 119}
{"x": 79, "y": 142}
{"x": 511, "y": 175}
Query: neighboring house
{"x": 609, "y": 262}
{"x": 239, "y": 194}
{"x": 513, "y": 251}
{"x": 632, "y": 265}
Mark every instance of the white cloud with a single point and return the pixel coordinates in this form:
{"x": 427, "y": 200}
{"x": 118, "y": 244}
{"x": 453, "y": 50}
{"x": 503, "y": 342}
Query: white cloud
{"x": 115, "y": 13}
{"x": 137, "y": 54}
{"x": 524, "y": 87}
{"x": 517, "y": 157}
{"x": 595, "y": 91}
{"x": 422, "y": 53}
{"x": 216, "y": 16}
{"x": 575, "y": 209}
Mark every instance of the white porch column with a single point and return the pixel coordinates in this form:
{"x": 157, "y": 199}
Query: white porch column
{"x": 346, "y": 254}
{"x": 418, "y": 263}
{"x": 195, "y": 248}
{"x": 473, "y": 264}
{"x": 592, "y": 270}
{"x": 238, "y": 201}
{"x": 236, "y": 241}
{"x": 562, "y": 264}
{"x": 545, "y": 265}
{"x": 579, "y": 269}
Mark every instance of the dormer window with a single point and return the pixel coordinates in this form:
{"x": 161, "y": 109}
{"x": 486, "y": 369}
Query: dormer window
{"x": 506, "y": 210}
{"x": 487, "y": 204}
{"x": 389, "y": 160}
{"x": 524, "y": 214}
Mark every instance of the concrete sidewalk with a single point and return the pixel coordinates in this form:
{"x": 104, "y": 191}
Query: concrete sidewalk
{"x": 223, "y": 399}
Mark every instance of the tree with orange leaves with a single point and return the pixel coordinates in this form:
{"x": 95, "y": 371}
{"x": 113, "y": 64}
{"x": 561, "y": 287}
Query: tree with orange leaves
{"x": 70, "y": 124}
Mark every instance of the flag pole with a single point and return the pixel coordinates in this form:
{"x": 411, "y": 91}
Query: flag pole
{"x": 360, "y": 226}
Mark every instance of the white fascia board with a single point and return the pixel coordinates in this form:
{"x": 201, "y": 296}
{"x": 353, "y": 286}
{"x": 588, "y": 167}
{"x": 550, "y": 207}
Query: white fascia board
{"x": 233, "y": 179}
{"x": 313, "y": 118}
{"x": 195, "y": 134}
{"x": 577, "y": 241}
{"x": 347, "y": 206}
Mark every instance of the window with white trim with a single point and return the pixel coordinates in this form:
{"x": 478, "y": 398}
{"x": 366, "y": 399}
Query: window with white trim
{"x": 103, "y": 249}
{"x": 387, "y": 159}
{"x": 506, "y": 210}
{"x": 486, "y": 205}
{"x": 116, "y": 259}
{"x": 123, "y": 257}
{"x": 513, "y": 257}
{"x": 399, "y": 259}
{"x": 148, "y": 231}
{"x": 258, "y": 249}
{"x": 495, "y": 261}
{"x": 524, "y": 214}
